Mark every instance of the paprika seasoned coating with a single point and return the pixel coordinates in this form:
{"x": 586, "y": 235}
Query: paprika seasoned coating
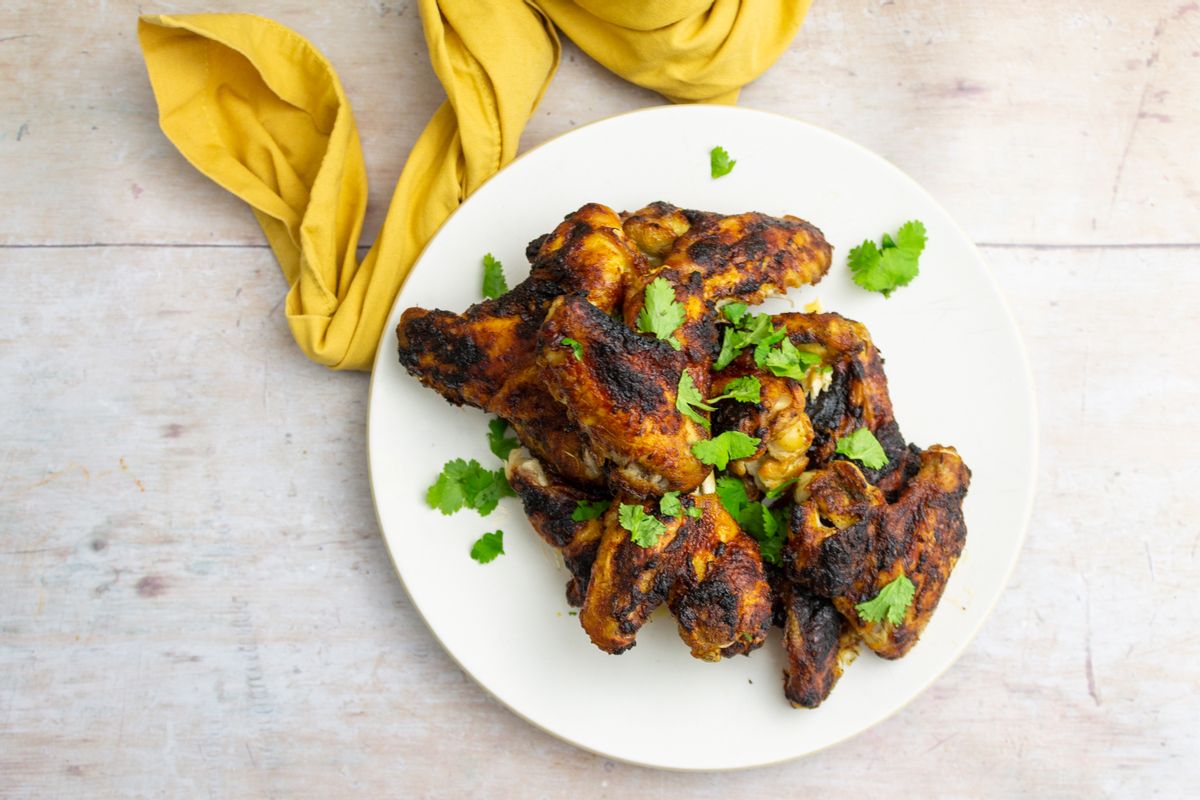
{"x": 847, "y": 542}
{"x": 621, "y": 391}
{"x": 707, "y": 570}
{"x": 746, "y": 257}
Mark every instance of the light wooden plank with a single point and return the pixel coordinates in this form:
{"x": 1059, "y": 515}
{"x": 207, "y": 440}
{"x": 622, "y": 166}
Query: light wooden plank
{"x": 194, "y": 598}
{"x": 1072, "y": 122}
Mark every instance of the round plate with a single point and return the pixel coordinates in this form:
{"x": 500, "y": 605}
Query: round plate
{"x": 955, "y": 365}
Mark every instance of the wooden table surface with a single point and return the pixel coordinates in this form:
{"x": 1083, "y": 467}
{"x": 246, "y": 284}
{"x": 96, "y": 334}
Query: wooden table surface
{"x": 194, "y": 597}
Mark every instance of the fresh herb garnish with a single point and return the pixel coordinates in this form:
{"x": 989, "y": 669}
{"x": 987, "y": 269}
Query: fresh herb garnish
{"x": 787, "y": 361}
{"x": 494, "y": 284}
{"x": 575, "y": 346}
{"x": 589, "y": 509}
{"x": 745, "y": 332}
{"x": 719, "y": 162}
{"x": 863, "y": 447}
{"x": 644, "y": 529}
{"x": 487, "y": 547}
{"x": 746, "y": 389}
{"x": 500, "y": 444}
{"x": 688, "y": 399}
{"x": 729, "y": 446}
{"x": 734, "y": 312}
{"x": 894, "y": 264}
{"x": 767, "y": 525}
{"x": 891, "y": 602}
{"x": 669, "y": 505}
{"x": 465, "y": 484}
{"x": 661, "y": 314}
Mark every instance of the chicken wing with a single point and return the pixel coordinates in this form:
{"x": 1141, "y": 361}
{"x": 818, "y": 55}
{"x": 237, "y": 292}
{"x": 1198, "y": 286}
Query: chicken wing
{"x": 778, "y": 421}
{"x": 621, "y": 391}
{"x": 746, "y": 257}
{"x": 722, "y": 601}
{"x": 706, "y": 569}
{"x": 815, "y": 639}
{"x": 485, "y": 357}
{"x": 847, "y": 542}
{"x": 550, "y": 505}
{"x": 856, "y": 395}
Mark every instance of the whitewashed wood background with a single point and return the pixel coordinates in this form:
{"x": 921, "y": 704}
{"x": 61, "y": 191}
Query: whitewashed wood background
{"x": 194, "y": 598}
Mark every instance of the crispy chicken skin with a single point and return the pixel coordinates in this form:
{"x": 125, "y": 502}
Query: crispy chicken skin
{"x": 622, "y": 392}
{"x": 629, "y": 581}
{"x": 814, "y": 637}
{"x": 778, "y": 421}
{"x": 846, "y": 541}
{"x": 485, "y": 357}
{"x": 549, "y": 504}
{"x": 467, "y": 357}
{"x": 722, "y": 601}
{"x": 705, "y": 568}
{"x": 746, "y": 257}
{"x": 857, "y": 395}
{"x": 544, "y": 427}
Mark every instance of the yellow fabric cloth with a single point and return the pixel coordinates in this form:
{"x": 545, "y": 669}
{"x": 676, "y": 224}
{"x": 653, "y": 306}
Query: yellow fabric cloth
{"x": 256, "y": 108}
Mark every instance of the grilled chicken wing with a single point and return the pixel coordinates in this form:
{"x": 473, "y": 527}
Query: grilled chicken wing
{"x": 777, "y": 420}
{"x": 846, "y": 541}
{"x": 544, "y": 427}
{"x": 705, "y": 568}
{"x": 856, "y": 395}
{"x": 549, "y": 504}
{"x": 621, "y": 391}
{"x": 747, "y": 257}
{"x": 485, "y": 356}
{"x": 722, "y": 602}
{"x": 815, "y": 637}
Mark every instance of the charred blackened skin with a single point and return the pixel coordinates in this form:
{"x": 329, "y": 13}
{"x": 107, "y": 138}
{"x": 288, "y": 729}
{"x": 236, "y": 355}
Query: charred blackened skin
{"x": 813, "y": 638}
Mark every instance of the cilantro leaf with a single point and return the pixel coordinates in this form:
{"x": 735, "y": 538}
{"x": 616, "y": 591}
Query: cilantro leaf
{"x": 781, "y": 488}
{"x": 719, "y": 162}
{"x": 768, "y": 526}
{"x": 891, "y": 602}
{"x": 749, "y": 331}
{"x": 487, "y": 547}
{"x": 669, "y": 505}
{"x": 500, "y": 444}
{"x": 446, "y": 494}
{"x": 734, "y": 312}
{"x": 494, "y": 284}
{"x": 466, "y": 484}
{"x": 589, "y": 509}
{"x": 788, "y": 361}
{"x": 746, "y": 389}
{"x": 575, "y": 346}
{"x": 862, "y": 446}
{"x": 894, "y": 264}
{"x": 644, "y": 529}
{"x": 689, "y": 399}
{"x": 660, "y": 314}
{"x": 729, "y": 446}
{"x": 763, "y": 348}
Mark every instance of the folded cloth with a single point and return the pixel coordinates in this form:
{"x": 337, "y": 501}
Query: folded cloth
{"x": 256, "y": 108}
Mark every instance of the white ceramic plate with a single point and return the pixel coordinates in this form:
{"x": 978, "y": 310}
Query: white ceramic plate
{"x": 957, "y": 372}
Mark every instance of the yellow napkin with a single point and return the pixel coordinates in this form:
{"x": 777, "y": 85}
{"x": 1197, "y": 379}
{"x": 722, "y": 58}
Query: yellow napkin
{"x": 256, "y": 108}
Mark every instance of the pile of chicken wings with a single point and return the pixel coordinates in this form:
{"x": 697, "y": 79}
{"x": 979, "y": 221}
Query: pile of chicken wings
{"x": 601, "y": 423}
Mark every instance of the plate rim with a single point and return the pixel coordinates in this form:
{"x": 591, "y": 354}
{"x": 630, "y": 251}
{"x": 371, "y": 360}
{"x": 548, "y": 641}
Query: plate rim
{"x": 1030, "y": 402}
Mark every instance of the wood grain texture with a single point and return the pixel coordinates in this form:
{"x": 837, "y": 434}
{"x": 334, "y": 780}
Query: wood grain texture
{"x": 194, "y": 598}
